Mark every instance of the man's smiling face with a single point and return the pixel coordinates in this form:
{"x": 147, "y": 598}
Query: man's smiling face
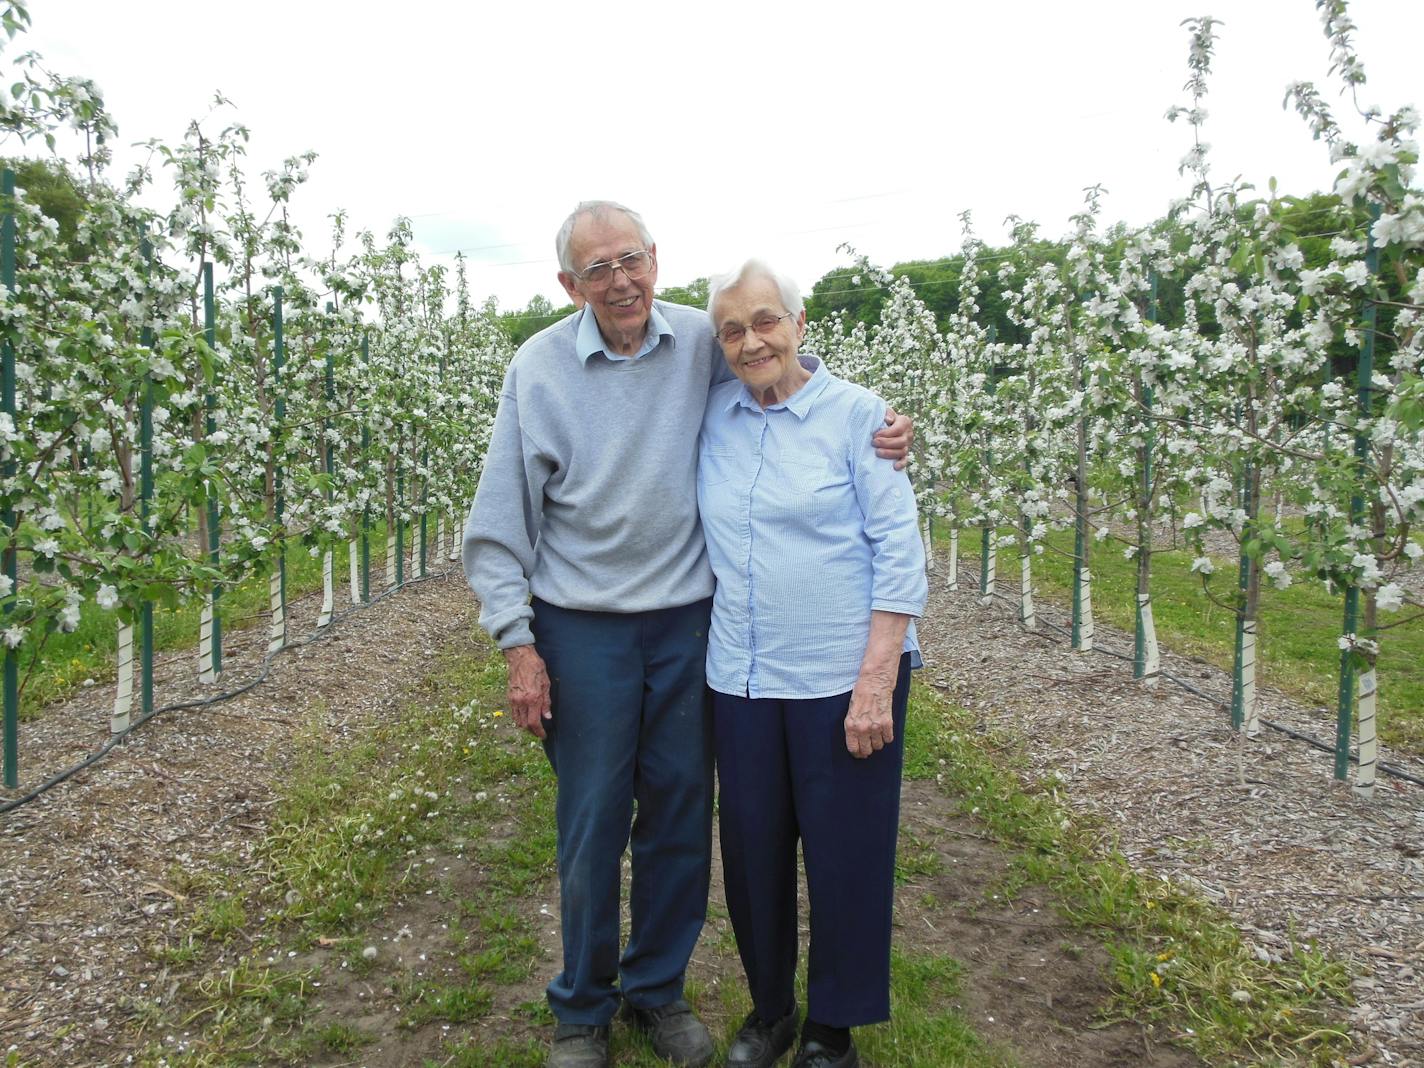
{"x": 621, "y": 304}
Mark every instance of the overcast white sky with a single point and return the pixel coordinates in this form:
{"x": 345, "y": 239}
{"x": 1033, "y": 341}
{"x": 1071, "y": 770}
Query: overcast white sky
{"x": 773, "y": 128}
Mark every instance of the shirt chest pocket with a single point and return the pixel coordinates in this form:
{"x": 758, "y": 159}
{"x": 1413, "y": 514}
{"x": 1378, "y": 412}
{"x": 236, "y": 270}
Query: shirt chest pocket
{"x": 717, "y": 465}
{"x": 812, "y": 482}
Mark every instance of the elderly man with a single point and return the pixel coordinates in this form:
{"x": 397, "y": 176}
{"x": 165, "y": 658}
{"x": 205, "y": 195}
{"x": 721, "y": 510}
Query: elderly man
{"x": 585, "y": 549}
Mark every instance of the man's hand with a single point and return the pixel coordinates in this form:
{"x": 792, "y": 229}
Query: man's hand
{"x": 893, "y": 443}
{"x": 528, "y": 689}
{"x": 869, "y": 725}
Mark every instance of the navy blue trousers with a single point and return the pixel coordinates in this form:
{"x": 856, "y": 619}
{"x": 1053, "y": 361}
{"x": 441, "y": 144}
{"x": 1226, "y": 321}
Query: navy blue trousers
{"x": 785, "y": 775}
{"x": 630, "y": 725}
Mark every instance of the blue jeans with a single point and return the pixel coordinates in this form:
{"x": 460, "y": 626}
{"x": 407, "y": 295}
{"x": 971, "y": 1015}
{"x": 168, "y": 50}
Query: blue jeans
{"x": 630, "y": 732}
{"x": 785, "y": 775}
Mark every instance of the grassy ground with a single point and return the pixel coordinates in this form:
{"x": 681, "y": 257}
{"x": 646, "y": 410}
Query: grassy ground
{"x": 438, "y": 827}
{"x": 1177, "y": 960}
{"x": 1296, "y": 643}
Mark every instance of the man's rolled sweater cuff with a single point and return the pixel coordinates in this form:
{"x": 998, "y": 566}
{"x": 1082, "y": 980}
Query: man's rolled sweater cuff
{"x": 517, "y": 633}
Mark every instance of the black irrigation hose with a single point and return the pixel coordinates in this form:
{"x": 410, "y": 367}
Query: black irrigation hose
{"x": 1324, "y": 747}
{"x": 103, "y": 751}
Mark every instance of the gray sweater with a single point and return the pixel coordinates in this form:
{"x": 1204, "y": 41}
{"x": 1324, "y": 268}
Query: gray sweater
{"x": 588, "y": 498}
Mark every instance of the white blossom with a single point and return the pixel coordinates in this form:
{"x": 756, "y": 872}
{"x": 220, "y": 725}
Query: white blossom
{"x": 1389, "y": 597}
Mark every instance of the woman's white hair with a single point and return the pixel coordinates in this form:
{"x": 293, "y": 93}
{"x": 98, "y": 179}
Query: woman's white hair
{"x": 599, "y": 209}
{"x": 754, "y": 268}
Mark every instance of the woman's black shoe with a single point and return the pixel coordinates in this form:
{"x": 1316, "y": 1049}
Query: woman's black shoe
{"x": 814, "y": 1055}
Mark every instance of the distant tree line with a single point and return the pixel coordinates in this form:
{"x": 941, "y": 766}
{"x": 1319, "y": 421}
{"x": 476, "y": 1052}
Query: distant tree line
{"x": 1314, "y": 221}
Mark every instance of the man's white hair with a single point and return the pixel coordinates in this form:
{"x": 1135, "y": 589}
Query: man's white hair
{"x": 754, "y": 268}
{"x": 599, "y": 209}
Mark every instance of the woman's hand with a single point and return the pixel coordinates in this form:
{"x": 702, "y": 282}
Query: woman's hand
{"x": 869, "y": 725}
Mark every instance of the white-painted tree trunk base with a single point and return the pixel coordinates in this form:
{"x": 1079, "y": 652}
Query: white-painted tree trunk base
{"x": 951, "y": 581}
{"x": 1250, "y": 714}
{"x": 328, "y": 589}
{"x": 123, "y": 691}
{"x": 986, "y": 593}
{"x": 390, "y": 560}
{"x": 355, "y": 572}
{"x": 1027, "y": 615}
{"x": 1365, "y": 732}
{"x": 206, "y": 674}
{"x": 1152, "y": 657}
{"x": 1085, "y": 619}
{"x": 929, "y": 545}
{"x": 456, "y": 533}
{"x": 439, "y": 534}
{"x": 277, "y": 630}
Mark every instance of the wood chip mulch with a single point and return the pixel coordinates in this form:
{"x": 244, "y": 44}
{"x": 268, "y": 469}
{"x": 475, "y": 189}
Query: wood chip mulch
{"x": 85, "y": 870}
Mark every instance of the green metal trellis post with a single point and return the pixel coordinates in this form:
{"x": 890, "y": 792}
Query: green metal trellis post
{"x": 7, "y": 401}
{"x": 277, "y": 636}
{"x": 145, "y": 500}
{"x": 400, "y": 527}
{"x": 1078, "y": 543}
{"x": 366, "y": 509}
{"x": 425, "y": 497}
{"x": 329, "y": 465}
{"x": 210, "y": 659}
{"x": 1346, "y": 700}
{"x": 443, "y": 518}
{"x": 1239, "y": 663}
{"x": 1082, "y": 626}
{"x": 424, "y": 505}
{"x": 1139, "y": 635}
{"x": 986, "y": 543}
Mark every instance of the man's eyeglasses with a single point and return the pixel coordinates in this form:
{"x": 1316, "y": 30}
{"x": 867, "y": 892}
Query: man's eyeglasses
{"x": 764, "y": 325}
{"x": 633, "y": 264}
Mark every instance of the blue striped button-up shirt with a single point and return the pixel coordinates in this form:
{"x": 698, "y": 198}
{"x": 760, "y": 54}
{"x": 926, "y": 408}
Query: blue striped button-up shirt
{"x": 808, "y": 532}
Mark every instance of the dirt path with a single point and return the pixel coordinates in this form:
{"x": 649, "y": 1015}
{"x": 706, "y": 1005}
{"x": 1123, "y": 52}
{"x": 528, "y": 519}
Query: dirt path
{"x": 85, "y": 872}
{"x": 1031, "y": 985}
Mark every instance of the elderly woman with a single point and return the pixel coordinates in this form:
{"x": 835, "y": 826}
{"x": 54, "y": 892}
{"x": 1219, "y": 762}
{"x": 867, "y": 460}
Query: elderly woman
{"x": 820, "y": 571}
